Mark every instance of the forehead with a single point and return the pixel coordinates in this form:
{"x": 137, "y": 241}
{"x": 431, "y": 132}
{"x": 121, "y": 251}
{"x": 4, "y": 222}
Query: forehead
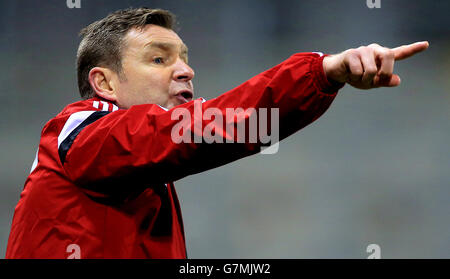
{"x": 151, "y": 34}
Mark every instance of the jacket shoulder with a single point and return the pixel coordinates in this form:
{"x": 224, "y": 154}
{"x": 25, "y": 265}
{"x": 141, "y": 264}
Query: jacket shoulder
{"x": 92, "y": 104}
{"x": 76, "y": 110}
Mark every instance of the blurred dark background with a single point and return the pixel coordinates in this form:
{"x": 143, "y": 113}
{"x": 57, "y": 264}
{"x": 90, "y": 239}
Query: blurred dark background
{"x": 373, "y": 169}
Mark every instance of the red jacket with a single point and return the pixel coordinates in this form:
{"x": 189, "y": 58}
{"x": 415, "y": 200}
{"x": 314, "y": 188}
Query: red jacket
{"x": 101, "y": 185}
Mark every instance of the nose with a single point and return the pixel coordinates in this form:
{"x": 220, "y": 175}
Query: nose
{"x": 182, "y": 71}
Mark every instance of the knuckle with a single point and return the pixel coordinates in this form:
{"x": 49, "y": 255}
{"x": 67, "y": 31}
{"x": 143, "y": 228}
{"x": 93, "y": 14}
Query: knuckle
{"x": 352, "y": 51}
{"x": 386, "y": 53}
{"x": 368, "y": 51}
{"x": 371, "y": 71}
{"x": 390, "y": 53}
{"x": 357, "y": 72}
{"x": 356, "y": 69}
{"x": 363, "y": 49}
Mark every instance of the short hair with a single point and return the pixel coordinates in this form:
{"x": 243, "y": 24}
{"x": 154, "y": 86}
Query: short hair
{"x": 103, "y": 40}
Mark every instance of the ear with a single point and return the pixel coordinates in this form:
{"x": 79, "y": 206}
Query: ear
{"x": 103, "y": 81}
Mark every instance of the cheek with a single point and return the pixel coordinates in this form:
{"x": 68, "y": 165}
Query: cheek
{"x": 145, "y": 83}
{"x": 148, "y": 77}
{"x": 157, "y": 82}
{"x": 136, "y": 82}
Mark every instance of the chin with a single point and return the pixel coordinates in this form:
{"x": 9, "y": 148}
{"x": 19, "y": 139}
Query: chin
{"x": 172, "y": 105}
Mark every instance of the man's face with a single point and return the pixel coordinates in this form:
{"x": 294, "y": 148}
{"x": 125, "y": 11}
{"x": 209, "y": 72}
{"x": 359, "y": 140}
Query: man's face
{"x": 155, "y": 70}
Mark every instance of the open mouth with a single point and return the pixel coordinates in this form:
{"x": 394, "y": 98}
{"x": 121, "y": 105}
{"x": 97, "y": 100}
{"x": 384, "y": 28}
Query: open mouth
{"x": 185, "y": 96}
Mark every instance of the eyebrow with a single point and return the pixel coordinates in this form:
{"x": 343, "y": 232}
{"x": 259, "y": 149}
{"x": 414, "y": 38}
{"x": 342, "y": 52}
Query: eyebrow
{"x": 166, "y": 46}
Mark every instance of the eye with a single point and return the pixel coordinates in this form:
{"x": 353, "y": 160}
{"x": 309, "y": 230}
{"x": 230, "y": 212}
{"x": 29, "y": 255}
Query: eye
{"x": 158, "y": 60}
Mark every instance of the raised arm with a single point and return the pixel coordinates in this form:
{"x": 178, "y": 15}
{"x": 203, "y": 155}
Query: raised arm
{"x": 137, "y": 144}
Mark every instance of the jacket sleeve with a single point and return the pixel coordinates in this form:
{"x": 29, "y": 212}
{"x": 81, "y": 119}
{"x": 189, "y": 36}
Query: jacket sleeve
{"x": 136, "y": 147}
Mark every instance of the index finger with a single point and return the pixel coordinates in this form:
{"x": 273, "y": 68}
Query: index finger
{"x": 403, "y": 52}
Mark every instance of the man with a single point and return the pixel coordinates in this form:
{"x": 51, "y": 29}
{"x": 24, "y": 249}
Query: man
{"x": 102, "y": 186}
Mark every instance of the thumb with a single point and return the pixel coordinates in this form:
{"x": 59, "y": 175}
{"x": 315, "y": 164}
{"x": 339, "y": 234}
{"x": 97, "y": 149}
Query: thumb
{"x": 392, "y": 81}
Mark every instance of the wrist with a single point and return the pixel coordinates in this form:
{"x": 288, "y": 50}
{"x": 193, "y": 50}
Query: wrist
{"x": 323, "y": 83}
{"x": 331, "y": 68}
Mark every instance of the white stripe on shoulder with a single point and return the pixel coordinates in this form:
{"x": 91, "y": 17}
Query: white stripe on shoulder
{"x": 163, "y": 108}
{"x": 35, "y": 162}
{"x": 74, "y": 120}
{"x": 318, "y": 52}
{"x": 105, "y": 106}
